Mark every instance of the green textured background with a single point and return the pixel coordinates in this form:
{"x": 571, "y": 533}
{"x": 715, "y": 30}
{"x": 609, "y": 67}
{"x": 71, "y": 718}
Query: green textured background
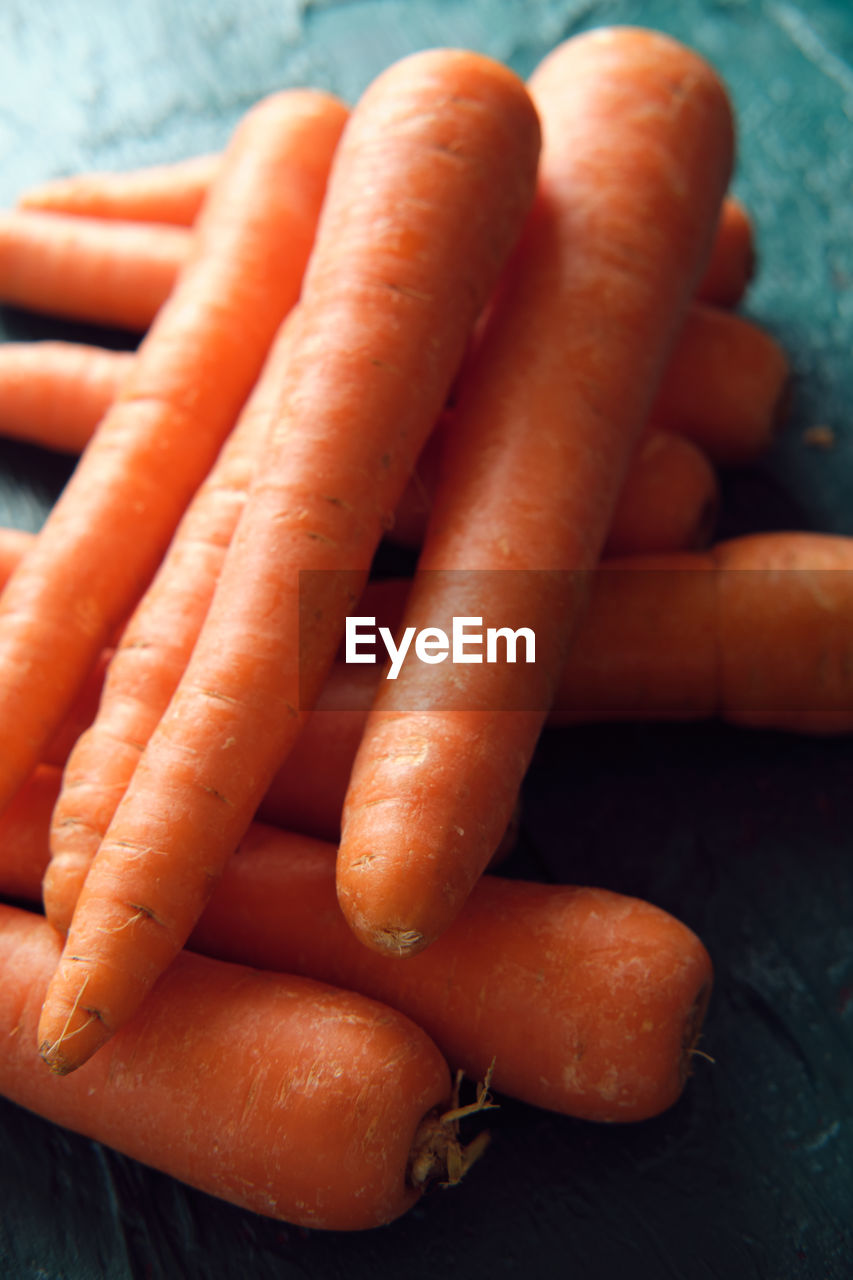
{"x": 745, "y": 836}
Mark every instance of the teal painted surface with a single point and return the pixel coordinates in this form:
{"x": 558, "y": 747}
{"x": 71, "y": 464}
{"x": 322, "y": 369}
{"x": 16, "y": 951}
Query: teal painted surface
{"x": 745, "y": 836}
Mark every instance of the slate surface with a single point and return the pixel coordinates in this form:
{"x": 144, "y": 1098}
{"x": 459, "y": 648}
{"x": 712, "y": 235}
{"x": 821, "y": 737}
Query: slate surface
{"x": 745, "y": 836}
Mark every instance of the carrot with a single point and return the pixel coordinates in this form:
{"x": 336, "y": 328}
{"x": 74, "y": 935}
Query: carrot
{"x": 755, "y": 631}
{"x": 189, "y": 380}
{"x": 636, "y": 157}
{"x": 54, "y": 394}
{"x": 14, "y": 545}
{"x": 283, "y": 1095}
{"x": 577, "y": 999}
{"x": 669, "y": 499}
{"x": 725, "y": 381}
{"x": 171, "y": 192}
{"x": 732, "y": 263}
{"x": 431, "y": 182}
{"x": 154, "y": 649}
{"x": 726, "y": 386}
{"x": 110, "y": 273}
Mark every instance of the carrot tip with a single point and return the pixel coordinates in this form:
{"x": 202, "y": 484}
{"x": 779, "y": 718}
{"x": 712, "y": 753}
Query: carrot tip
{"x": 693, "y": 1031}
{"x": 437, "y": 1153}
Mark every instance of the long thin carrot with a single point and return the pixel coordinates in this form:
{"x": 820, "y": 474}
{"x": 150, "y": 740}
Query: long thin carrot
{"x": 581, "y": 1000}
{"x": 109, "y": 273}
{"x": 105, "y": 536}
{"x": 636, "y": 157}
{"x": 283, "y": 1095}
{"x": 152, "y": 653}
{"x": 431, "y": 182}
{"x": 732, "y": 263}
{"x": 55, "y": 393}
{"x": 173, "y": 192}
{"x": 726, "y": 386}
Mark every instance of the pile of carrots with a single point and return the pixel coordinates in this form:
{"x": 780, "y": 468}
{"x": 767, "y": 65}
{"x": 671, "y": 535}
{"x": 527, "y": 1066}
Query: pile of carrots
{"x": 492, "y": 321}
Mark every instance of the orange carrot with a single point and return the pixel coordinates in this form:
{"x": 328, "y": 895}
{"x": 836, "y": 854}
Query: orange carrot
{"x": 668, "y": 501}
{"x": 726, "y": 380}
{"x": 54, "y": 394}
{"x": 154, "y": 649}
{"x": 283, "y": 1095}
{"x": 755, "y": 631}
{"x": 14, "y": 545}
{"x": 430, "y": 185}
{"x": 726, "y": 386}
{"x": 587, "y": 1002}
{"x": 187, "y": 385}
{"x": 110, "y": 273}
{"x": 732, "y": 263}
{"x": 172, "y": 192}
{"x": 636, "y": 157}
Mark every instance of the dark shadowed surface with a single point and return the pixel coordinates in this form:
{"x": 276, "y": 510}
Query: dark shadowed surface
{"x": 744, "y": 835}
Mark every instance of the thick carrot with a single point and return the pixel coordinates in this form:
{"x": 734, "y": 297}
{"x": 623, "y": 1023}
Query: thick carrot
{"x": 283, "y": 1095}
{"x": 581, "y": 1000}
{"x": 110, "y": 273}
{"x": 430, "y": 185}
{"x": 54, "y": 394}
{"x": 636, "y": 157}
{"x": 669, "y": 498}
{"x": 105, "y": 536}
{"x": 152, "y": 653}
{"x": 733, "y": 257}
{"x": 172, "y": 192}
{"x": 726, "y": 386}
{"x": 756, "y": 631}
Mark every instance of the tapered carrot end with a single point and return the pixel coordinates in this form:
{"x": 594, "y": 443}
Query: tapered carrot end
{"x": 70, "y": 1031}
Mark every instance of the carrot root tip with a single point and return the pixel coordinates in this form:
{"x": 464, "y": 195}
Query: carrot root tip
{"x": 399, "y": 942}
{"x": 438, "y": 1155}
{"x": 692, "y": 1033}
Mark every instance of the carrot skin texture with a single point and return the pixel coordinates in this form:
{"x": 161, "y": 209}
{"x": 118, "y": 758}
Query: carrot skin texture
{"x": 54, "y": 394}
{"x": 280, "y": 1094}
{"x": 588, "y": 1002}
{"x": 755, "y": 631}
{"x": 172, "y": 192}
{"x": 187, "y": 385}
{"x": 726, "y": 386}
{"x": 117, "y": 274}
{"x": 432, "y": 790}
{"x": 421, "y": 211}
{"x": 668, "y": 501}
